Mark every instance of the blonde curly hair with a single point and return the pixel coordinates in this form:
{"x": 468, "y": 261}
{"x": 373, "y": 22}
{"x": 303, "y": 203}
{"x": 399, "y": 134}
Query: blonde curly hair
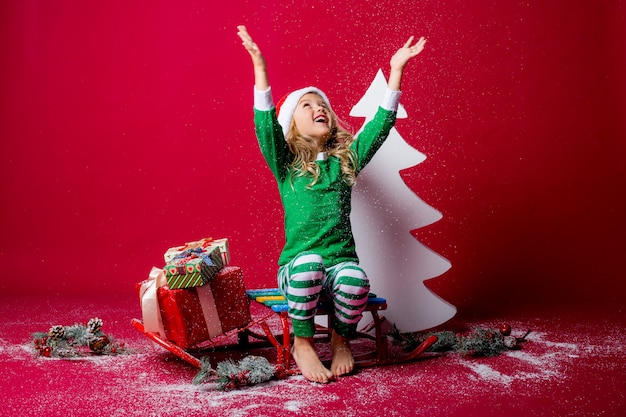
{"x": 304, "y": 150}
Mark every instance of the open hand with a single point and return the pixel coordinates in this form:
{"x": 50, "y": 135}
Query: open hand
{"x": 250, "y": 45}
{"x": 404, "y": 54}
{"x": 258, "y": 61}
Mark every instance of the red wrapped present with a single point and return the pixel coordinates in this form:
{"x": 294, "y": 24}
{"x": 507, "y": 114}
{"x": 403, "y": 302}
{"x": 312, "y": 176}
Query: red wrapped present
{"x": 195, "y": 315}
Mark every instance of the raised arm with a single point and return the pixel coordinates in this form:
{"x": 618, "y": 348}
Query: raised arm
{"x": 258, "y": 61}
{"x": 400, "y": 59}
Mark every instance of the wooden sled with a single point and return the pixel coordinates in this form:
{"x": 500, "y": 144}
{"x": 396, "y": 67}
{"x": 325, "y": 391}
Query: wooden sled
{"x": 276, "y": 306}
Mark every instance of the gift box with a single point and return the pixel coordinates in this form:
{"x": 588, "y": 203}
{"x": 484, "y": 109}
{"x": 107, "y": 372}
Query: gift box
{"x": 206, "y": 245}
{"x": 193, "y": 268}
{"x": 191, "y": 316}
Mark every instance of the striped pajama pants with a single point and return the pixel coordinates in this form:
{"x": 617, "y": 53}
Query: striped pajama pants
{"x": 305, "y": 279}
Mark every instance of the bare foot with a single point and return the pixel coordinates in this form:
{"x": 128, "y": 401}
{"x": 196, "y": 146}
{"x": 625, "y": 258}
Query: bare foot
{"x": 308, "y": 362}
{"x": 343, "y": 361}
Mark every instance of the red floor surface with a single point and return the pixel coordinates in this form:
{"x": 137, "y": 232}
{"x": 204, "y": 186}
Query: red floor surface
{"x": 571, "y": 365}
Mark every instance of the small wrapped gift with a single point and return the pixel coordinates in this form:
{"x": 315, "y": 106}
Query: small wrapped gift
{"x": 193, "y": 268}
{"x": 195, "y": 315}
{"x": 206, "y": 244}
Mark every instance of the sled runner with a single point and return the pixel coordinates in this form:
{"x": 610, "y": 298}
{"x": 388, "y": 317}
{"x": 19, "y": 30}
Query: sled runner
{"x": 275, "y": 306}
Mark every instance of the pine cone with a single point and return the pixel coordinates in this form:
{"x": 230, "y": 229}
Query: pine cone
{"x": 56, "y": 332}
{"x": 94, "y": 325}
{"x": 97, "y": 345}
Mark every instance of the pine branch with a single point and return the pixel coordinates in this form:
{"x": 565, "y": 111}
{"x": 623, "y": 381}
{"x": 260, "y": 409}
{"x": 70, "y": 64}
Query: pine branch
{"x": 228, "y": 374}
{"x": 478, "y": 342}
{"x": 77, "y": 340}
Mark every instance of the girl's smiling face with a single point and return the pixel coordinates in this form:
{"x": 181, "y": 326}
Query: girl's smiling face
{"x": 312, "y": 118}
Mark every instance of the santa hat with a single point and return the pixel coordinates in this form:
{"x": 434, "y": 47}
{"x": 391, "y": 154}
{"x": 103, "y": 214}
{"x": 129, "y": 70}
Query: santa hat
{"x": 287, "y": 105}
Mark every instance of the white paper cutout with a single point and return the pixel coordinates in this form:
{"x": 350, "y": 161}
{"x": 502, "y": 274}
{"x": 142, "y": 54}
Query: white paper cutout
{"x": 384, "y": 211}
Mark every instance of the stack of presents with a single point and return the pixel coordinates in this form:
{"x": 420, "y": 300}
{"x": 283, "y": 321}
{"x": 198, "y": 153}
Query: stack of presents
{"x": 196, "y": 296}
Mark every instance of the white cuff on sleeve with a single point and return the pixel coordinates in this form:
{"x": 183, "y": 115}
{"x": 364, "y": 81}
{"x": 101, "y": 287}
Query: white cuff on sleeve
{"x": 391, "y": 100}
{"x": 263, "y": 99}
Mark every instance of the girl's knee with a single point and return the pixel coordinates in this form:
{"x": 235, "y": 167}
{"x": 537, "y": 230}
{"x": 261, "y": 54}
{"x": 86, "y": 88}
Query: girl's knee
{"x": 307, "y": 261}
{"x": 303, "y": 275}
{"x": 353, "y": 280}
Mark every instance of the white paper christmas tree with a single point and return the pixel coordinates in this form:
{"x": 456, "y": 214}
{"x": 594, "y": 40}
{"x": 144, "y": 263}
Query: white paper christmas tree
{"x": 384, "y": 211}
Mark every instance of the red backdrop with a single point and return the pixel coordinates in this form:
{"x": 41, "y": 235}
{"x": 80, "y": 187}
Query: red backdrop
{"x": 126, "y": 127}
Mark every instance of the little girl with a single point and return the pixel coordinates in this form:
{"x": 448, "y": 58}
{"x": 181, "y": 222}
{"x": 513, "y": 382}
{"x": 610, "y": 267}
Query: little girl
{"x": 315, "y": 162}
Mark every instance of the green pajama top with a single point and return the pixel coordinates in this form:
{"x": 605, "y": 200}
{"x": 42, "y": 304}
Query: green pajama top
{"x": 317, "y": 218}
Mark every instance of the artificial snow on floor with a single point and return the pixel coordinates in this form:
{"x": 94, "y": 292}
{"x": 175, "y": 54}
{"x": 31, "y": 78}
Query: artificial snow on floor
{"x": 566, "y": 367}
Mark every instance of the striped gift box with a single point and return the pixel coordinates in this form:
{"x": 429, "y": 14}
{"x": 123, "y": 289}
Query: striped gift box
{"x": 193, "y": 269}
{"x": 185, "y": 280}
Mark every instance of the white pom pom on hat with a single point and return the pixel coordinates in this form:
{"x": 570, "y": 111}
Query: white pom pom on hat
{"x": 286, "y": 106}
